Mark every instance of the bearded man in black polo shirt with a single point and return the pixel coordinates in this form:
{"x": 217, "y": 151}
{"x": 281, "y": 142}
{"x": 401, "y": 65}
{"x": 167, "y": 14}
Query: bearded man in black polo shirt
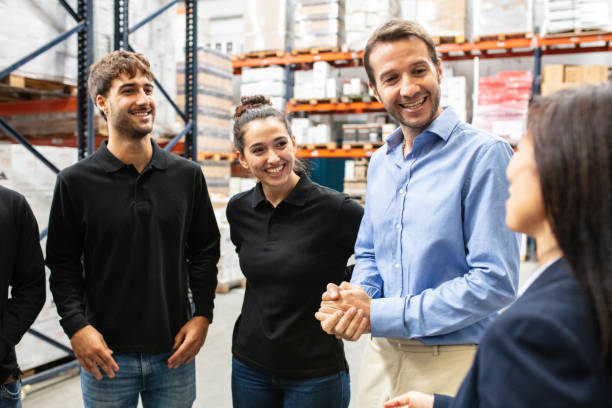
{"x": 131, "y": 229}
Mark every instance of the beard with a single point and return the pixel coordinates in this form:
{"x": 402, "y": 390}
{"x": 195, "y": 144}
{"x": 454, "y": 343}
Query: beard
{"x": 125, "y": 124}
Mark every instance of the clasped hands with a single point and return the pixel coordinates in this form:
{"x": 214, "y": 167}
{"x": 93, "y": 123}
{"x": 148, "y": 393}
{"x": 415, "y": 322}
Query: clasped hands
{"x": 345, "y": 311}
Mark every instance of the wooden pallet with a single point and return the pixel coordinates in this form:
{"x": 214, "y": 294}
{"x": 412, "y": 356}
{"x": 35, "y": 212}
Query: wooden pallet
{"x": 313, "y": 101}
{"x": 318, "y": 146}
{"x": 357, "y": 98}
{"x": 259, "y": 54}
{"x": 18, "y": 81}
{"x": 576, "y": 33}
{"x": 315, "y": 50}
{"x": 448, "y": 39}
{"x": 503, "y": 37}
{"x": 216, "y": 156}
{"x": 365, "y": 146}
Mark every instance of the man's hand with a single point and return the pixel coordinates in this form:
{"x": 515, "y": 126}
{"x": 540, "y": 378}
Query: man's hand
{"x": 93, "y": 353}
{"x": 188, "y": 341}
{"x": 345, "y": 311}
{"x": 412, "y": 399}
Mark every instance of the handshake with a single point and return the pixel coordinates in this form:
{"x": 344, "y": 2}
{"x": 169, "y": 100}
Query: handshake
{"x": 345, "y": 311}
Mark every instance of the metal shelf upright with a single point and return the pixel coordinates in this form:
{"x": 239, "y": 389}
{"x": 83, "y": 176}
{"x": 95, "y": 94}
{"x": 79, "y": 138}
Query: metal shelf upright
{"x": 190, "y": 114}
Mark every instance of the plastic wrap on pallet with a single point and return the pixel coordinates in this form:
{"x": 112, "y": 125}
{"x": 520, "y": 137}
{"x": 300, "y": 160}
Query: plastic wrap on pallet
{"x": 318, "y": 24}
{"x": 494, "y": 17}
{"x": 266, "y": 87}
{"x": 502, "y": 104}
{"x": 576, "y": 15}
{"x": 442, "y": 18}
{"x": 362, "y": 17}
{"x": 272, "y": 73}
{"x": 320, "y": 82}
{"x": 265, "y": 25}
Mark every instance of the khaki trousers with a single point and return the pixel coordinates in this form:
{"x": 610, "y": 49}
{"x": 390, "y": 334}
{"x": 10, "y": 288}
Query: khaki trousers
{"x": 392, "y": 367}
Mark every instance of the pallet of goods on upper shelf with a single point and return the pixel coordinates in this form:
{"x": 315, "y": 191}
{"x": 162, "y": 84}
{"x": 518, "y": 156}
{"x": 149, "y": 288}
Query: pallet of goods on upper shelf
{"x": 576, "y": 16}
{"x": 322, "y": 81}
{"x": 269, "y": 81}
{"x": 503, "y": 100}
{"x": 557, "y": 76}
{"x": 362, "y": 17}
{"x": 445, "y": 20}
{"x": 500, "y": 19}
{"x": 265, "y": 25}
{"x": 318, "y": 24}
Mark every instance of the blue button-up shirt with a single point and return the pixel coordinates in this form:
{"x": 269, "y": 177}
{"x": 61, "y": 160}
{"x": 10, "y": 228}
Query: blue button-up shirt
{"x": 433, "y": 249}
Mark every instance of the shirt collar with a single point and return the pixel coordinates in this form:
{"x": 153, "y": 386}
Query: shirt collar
{"x": 442, "y": 126}
{"x": 534, "y": 276}
{"x": 110, "y": 163}
{"x": 297, "y": 196}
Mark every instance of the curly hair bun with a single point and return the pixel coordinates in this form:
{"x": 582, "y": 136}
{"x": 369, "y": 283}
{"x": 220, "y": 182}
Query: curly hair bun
{"x": 251, "y": 102}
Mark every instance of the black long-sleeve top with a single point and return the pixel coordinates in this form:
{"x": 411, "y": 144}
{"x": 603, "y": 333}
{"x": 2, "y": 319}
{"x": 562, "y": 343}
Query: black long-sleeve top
{"x": 22, "y": 269}
{"x": 288, "y": 255}
{"x": 124, "y": 247}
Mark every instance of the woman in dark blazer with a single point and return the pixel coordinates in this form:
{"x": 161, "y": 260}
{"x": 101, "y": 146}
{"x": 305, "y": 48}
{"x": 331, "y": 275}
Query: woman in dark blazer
{"x": 552, "y": 347}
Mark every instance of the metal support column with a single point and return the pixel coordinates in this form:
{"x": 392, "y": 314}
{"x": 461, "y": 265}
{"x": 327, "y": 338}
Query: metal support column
{"x": 191, "y": 78}
{"x": 121, "y": 25}
{"x": 85, "y": 128}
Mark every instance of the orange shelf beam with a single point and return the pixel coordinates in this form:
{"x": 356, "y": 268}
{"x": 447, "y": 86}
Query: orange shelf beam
{"x": 466, "y": 50}
{"x": 339, "y": 153}
{"x": 352, "y": 107}
{"x": 38, "y": 106}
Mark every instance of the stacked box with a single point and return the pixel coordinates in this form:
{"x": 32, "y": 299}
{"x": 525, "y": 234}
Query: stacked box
{"x": 453, "y": 92}
{"x": 555, "y": 77}
{"x": 268, "y": 81}
{"x": 265, "y": 25}
{"x": 323, "y": 81}
{"x": 318, "y": 24}
{"x": 576, "y": 15}
{"x": 502, "y": 104}
{"x": 354, "y": 87}
{"x": 355, "y": 172}
{"x": 362, "y": 17}
{"x": 442, "y": 18}
{"x": 214, "y": 100}
{"x": 361, "y": 133}
{"x": 299, "y": 129}
{"x": 494, "y": 17}
{"x": 217, "y": 174}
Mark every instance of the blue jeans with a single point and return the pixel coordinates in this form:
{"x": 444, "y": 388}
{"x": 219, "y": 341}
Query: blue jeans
{"x": 146, "y": 375}
{"x": 10, "y": 395}
{"x": 253, "y": 389}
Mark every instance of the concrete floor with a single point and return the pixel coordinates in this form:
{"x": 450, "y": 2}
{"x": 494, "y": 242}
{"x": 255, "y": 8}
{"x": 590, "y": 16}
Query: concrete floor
{"x": 213, "y": 363}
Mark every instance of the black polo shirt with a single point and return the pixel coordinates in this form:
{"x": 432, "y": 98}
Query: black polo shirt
{"x": 22, "y": 270}
{"x": 288, "y": 255}
{"x": 124, "y": 248}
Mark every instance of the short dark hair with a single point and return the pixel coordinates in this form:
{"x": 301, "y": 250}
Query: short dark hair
{"x": 394, "y": 30}
{"x": 572, "y": 139}
{"x": 104, "y": 72}
{"x": 258, "y": 107}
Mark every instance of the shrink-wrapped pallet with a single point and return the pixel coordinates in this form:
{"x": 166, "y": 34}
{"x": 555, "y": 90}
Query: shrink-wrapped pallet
{"x": 318, "y": 24}
{"x": 362, "y": 17}
{"x": 214, "y": 100}
{"x": 576, "y": 15}
{"x": 268, "y": 81}
{"x": 265, "y": 26}
{"x": 443, "y": 18}
{"x": 500, "y": 17}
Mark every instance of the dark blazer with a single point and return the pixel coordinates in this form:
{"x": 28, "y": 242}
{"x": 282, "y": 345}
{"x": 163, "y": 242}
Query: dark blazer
{"x": 544, "y": 351}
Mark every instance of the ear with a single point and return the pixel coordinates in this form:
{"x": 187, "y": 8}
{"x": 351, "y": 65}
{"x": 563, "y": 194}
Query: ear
{"x": 242, "y": 161}
{"x": 373, "y": 88}
{"x": 101, "y": 103}
{"x": 293, "y": 141}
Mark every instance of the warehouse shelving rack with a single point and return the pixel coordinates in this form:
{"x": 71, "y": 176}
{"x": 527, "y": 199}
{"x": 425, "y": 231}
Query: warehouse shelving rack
{"x": 536, "y": 47}
{"x": 86, "y": 139}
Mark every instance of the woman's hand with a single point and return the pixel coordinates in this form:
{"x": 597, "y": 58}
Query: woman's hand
{"x": 412, "y": 399}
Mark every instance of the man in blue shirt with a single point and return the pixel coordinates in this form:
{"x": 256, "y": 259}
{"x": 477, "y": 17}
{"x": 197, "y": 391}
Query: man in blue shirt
{"x": 434, "y": 259}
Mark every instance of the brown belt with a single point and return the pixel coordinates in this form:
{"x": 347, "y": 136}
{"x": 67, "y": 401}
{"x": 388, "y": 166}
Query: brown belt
{"x": 14, "y": 376}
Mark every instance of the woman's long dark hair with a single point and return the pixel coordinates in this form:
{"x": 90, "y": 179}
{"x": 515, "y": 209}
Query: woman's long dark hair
{"x": 572, "y": 134}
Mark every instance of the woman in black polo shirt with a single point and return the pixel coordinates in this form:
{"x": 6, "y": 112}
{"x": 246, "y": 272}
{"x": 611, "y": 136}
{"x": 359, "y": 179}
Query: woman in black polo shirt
{"x": 292, "y": 236}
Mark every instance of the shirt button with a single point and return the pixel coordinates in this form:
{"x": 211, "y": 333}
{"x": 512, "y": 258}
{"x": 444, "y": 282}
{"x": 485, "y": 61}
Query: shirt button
{"x": 397, "y": 265}
{"x": 398, "y": 226}
{"x": 401, "y": 191}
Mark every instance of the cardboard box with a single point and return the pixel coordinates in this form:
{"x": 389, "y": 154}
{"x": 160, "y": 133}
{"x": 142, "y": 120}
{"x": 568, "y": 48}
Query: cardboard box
{"x": 552, "y": 73}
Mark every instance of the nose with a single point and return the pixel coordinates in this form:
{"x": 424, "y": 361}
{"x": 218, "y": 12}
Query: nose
{"x": 407, "y": 87}
{"x": 142, "y": 97}
{"x": 272, "y": 156}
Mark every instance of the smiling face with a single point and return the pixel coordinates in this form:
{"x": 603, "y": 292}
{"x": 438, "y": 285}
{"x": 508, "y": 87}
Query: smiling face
{"x": 407, "y": 83}
{"x": 129, "y": 106}
{"x": 525, "y": 211}
{"x": 269, "y": 153}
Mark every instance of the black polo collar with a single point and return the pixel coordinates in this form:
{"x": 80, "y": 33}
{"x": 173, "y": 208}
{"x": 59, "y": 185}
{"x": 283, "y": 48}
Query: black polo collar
{"x": 111, "y": 164}
{"x": 297, "y": 196}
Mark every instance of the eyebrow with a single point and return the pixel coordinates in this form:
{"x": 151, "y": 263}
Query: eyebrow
{"x": 413, "y": 65}
{"x": 274, "y": 141}
{"x": 132, "y": 84}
